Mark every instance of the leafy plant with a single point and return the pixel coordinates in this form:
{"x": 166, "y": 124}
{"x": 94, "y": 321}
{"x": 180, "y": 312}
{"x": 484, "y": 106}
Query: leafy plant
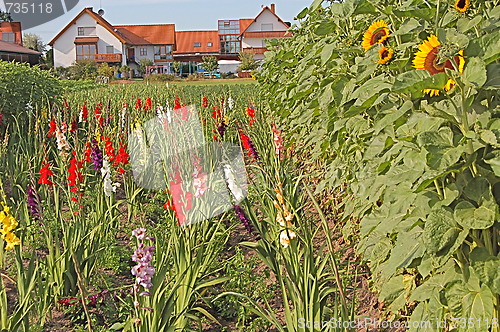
{"x": 420, "y": 166}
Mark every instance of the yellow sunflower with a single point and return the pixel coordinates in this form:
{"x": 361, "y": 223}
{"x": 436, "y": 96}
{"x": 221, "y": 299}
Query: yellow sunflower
{"x": 427, "y": 58}
{"x": 462, "y": 5}
{"x": 376, "y": 33}
{"x": 384, "y": 55}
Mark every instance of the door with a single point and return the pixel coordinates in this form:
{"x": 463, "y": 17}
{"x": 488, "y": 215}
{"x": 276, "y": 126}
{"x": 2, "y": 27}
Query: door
{"x": 131, "y": 54}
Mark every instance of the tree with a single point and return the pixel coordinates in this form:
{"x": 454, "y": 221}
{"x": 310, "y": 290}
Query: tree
{"x": 34, "y": 42}
{"x": 177, "y": 66}
{"x": 5, "y": 17}
{"x": 247, "y": 61}
{"x": 210, "y": 64}
{"x": 143, "y": 63}
{"x": 105, "y": 70}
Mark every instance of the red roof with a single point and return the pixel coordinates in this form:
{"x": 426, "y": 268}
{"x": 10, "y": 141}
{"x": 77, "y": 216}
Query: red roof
{"x": 245, "y": 23}
{"x": 157, "y": 34}
{"x": 187, "y": 39}
{"x": 15, "y": 48}
{"x": 99, "y": 19}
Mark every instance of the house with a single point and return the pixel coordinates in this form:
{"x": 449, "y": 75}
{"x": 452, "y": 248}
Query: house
{"x": 11, "y": 45}
{"x": 90, "y": 37}
{"x": 267, "y": 25}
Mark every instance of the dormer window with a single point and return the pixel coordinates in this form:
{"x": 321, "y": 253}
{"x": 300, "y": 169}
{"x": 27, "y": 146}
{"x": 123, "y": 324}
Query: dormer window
{"x": 209, "y": 44}
{"x": 9, "y": 37}
{"x": 86, "y": 31}
{"x": 197, "y": 44}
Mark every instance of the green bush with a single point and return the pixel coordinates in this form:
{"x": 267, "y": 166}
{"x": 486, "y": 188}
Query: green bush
{"x": 105, "y": 70}
{"x": 83, "y": 69}
{"x": 160, "y": 78}
{"x": 22, "y": 86}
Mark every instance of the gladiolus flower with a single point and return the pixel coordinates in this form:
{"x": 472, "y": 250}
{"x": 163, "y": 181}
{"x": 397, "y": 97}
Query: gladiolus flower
{"x": 204, "y": 102}
{"x": 45, "y": 173}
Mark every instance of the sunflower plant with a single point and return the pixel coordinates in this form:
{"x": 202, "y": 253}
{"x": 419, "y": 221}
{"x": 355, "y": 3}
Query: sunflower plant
{"x": 397, "y": 101}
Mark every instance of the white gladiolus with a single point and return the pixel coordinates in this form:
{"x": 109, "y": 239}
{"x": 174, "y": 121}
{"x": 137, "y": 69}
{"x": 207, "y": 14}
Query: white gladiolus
{"x": 230, "y": 102}
{"x": 235, "y": 189}
{"x": 61, "y": 140}
{"x": 109, "y": 187}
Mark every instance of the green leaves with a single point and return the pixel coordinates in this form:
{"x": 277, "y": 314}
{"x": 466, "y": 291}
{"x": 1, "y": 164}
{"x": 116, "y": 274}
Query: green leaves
{"x": 442, "y": 234}
{"x": 475, "y": 72}
{"x": 416, "y": 81}
{"x": 422, "y": 171}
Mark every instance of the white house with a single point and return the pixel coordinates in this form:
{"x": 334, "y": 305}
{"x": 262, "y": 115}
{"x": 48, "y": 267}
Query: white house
{"x": 90, "y": 36}
{"x": 267, "y": 25}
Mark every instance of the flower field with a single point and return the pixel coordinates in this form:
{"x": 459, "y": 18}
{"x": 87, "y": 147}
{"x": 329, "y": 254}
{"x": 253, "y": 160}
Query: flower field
{"x": 357, "y": 182}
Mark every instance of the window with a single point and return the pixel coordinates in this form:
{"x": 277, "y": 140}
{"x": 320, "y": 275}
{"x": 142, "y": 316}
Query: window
{"x": 86, "y": 31}
{"x": 9, "y": 37}
{"x": 163, "y": 52}
{"x": 229, "y": 27}
{"x": 110, "y": 50}
{"x": 197, "y": 44}
{"x": 209, "y": 44}
{"x": 143, "y": 51}
{"x": 266, "y": 27}
{"x": 85, "y": 51}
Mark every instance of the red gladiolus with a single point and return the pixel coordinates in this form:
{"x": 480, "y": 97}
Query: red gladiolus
{"x": 138, "y": 103}
{"x": 75, "y": 176}
{"x": 177, "y": 103}
{"x": 45, "y": 173}
{"x": 149, "y": 104}
{"x": 216, "y": 112}
{"x": 248, "y": 145}
{"x": 122, "y": 156}
{"x": 98, "y": 114}
{"x": 74, "y": 127}
{"x": 182, "y": 201}
{"x": 251, "y": 114}
{"x": 204, "y": 102}
{"x": 85, "y": 112}
{"x": 52, "y": 128}
{"x": 108, "y": 148}
{"x": 88, "y": 152}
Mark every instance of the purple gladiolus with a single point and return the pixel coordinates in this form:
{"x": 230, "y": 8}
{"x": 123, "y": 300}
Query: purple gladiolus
{"x": 96, "y": 154}
{"x": 34, "y": 203}
{"x": 222, "y": 129}
{"x": 244, "y": 220}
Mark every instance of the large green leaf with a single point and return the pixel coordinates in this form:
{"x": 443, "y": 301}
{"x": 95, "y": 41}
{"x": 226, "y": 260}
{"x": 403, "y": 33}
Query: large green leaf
{"x": 442, "y": 235}
{"x": 486, "y": 267}
{"x": 475, "y": 71}
{"x": 468, "y": 216}
{"x": 415, "y": 81}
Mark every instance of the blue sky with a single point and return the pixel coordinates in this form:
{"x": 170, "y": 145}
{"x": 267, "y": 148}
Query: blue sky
{"x": 185, "y": 14}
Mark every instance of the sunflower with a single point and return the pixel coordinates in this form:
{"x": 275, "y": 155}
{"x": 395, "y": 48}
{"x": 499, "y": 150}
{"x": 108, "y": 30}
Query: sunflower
{"x": 384, "y": 55}
{"x": 376, "y": 33}
{"x": 427, "y": 58}
{"x": 462, "y": 5}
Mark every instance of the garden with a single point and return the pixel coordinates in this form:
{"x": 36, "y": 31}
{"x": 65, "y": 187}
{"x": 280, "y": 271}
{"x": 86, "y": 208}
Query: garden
{"x": 355, "y": 186}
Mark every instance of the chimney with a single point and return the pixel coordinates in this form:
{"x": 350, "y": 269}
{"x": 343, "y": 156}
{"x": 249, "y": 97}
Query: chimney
{"x": 273, "y": 8}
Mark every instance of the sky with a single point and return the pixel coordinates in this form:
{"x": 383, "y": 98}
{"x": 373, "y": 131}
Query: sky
{"x": 185, "y": 14}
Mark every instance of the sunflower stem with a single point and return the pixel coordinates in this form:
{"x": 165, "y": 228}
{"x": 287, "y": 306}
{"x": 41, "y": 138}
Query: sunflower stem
{"x": 437, "y": 16}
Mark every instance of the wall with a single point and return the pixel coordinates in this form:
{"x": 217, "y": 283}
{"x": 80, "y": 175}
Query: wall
{"x": 64, "y": 47}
